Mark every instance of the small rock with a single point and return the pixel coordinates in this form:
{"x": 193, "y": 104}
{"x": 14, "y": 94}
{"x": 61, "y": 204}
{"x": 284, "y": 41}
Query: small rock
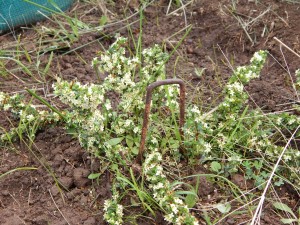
{"x": 66, "y": 182}
{"x": 189, "y": 50}
{"x": 80, "y": 177}
{"x": 239, "y": 180}
{"x": 198, "y": 52}
{"x": 5, "y": 193}
{"x": 57, "y": 160}
{"x": 90, "y": 221}
{"x": 42, "y": 219}
{"x": 136, "y": 168}
{"x": 68, "y": 171}
{"x": 83, "y": 200}
{"x": 86, "y": 192}
{"x": 68, "y": 65}
{"x": 205, "y": 187}
{"x": 31, "y": 201}
{"x": 189, "y": 41}
{"x": 230, "y": 221}
{"x": 54, "y": 190}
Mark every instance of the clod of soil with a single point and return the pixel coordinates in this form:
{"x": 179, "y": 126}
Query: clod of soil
{"x": 80, "y": 177}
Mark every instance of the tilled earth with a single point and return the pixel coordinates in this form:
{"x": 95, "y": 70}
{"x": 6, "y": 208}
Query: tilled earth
{"x": 217, "y": 42}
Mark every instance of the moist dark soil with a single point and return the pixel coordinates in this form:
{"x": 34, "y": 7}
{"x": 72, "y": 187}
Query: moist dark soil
{"x": 58, "y": 191}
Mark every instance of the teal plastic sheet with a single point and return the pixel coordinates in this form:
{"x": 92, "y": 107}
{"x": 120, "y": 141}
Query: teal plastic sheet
{"x": 15, "y": 13}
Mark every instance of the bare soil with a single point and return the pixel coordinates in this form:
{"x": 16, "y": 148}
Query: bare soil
{"x": 216, "y": 42}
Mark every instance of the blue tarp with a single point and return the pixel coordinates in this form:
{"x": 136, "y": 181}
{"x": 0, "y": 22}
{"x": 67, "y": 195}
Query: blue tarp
{"x": 14, "y": 13}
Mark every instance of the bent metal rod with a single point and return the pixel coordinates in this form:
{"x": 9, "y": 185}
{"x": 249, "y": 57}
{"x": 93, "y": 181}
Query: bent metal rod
{"x": 150, "y": 89}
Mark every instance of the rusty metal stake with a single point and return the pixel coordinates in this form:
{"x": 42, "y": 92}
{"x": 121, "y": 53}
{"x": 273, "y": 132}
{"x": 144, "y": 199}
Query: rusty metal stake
{"x": 148, "y": 106}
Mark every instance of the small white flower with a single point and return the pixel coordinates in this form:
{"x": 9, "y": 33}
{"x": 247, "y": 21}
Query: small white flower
{"x": 195, "y": 222}
{"x": 287, "y": 157}
{"x": 107, "y": 106}
{"x": 257, "y": 56}
{"x": 279, "y": 120}
{"x": 119, "y": 210}
{"x": 169, "y": 217}
{"x": 178, "y": 201}
{"x": 207, "y": 147}
{"x": 29, "y": 118}
{"x": 158, "y": 186}
{"x": 195, "y": 110}
{"x": 107, "y": 204}
{"x": 291, "y": 121}
{"x": 2, "y": 97}
{"x": 136, "y": 130}
{"x": 127, "y": 123}
{"x": 94, "y": 61}
{"x": 174, "y": 208}
{"x": 7, "y": 107}
{"x": 154, "y": 140}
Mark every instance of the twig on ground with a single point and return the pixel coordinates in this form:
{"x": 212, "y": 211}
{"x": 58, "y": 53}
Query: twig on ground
{"x": 287, "y": 47}
{"x": 58, "y": 208}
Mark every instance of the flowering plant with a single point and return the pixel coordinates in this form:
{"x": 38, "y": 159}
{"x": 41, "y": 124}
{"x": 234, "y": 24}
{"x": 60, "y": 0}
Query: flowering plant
{"x": 113, "y": 212}
{"x": 231, "y": 131}
{"x": 176, "y": 211}
{"x": 30, "y": 117}
{"x": 241, "y": 134}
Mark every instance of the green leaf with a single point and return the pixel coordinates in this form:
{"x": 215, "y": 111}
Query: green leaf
{"x": 72, "y": 131}
{"x": 133, "y": 202}
{"x": 115, "y": 141}
{"x": 175, "y": 183}
{"x": 164, "y": 142}
{"x": 223, "y": 208}
{"x": 190, "y": 200}
{"x": 93, "y": 176}
{"x": 114, "y": 167}
{"x": 187, "y": 193}
{"x": 48, "y": 64}
{"x": 129, "y": 141}
{"x": 215, "y": 166}
{"x": 283, "y": 207}
{"x": 135, "y": 150}
{"x": 103, "y": 20}
{"x": 288, "y": 221}
{"x": 279, "y": 183}
{"x": 17, "y": 169}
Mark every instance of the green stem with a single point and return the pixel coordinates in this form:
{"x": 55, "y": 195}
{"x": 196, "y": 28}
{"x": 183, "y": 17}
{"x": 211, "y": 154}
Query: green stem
{"x": 46, "y": 103}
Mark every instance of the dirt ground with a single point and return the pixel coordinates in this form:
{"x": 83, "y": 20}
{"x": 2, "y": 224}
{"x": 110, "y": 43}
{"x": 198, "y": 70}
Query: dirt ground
{"x": 216, "y": 42}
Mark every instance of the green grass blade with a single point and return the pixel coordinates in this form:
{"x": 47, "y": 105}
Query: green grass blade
{"x": 17, "y": 169}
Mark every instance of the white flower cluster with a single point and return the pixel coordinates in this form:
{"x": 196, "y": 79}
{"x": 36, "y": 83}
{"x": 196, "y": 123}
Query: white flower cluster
{"x": 235, "y": 96}
{"x": 113, "y": 212}
{"x": 258, "y": 57}
{"x": 120, "y": 68}
{"x": 297, "y": 83}
{"x": 29, "y": 117}
{"x": 85, "y": 116}
{"x": 132, "y": 101}
{"x": 283, "y": 121}
{"x": 92, "y": 113}
{"x": 154, "y": 68}
{"x": 176, "y": 211}
{"x": 172, "y": 93}
{"x": 225, "y": 129}
{"x": 2, "y": 99}
{"x": 78, "y": 96}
